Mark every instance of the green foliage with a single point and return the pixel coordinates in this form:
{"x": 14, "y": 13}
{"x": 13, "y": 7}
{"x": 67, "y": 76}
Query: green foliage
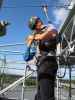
{"x": 67, "y": 81}
{"x": 2, "y": 30}
{"x": 1, "y": 3}
{"x": 30, "y": 81}
{"x": 8, "y": 78}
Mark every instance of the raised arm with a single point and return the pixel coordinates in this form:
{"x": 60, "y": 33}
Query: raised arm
{"x": 49, "y": 33}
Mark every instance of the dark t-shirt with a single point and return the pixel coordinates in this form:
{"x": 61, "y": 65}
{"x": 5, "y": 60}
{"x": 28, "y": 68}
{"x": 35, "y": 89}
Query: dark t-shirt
{"x": 47, "y": 64}
{"x": 49, "y": 44}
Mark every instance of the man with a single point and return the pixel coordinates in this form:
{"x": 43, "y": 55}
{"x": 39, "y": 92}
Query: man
{"x": 46, "y": 62}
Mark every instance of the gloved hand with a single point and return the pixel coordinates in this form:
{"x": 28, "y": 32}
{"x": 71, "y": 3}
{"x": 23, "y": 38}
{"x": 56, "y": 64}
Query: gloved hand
{"x": 29, "y": 53}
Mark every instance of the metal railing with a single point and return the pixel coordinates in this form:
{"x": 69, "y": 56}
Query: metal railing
{"x": 68, "y": 32}
{"x": 18, "y": 82}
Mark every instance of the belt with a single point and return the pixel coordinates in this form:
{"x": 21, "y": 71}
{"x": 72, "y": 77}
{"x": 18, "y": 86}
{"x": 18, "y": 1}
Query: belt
{"x": 51, "y": 53}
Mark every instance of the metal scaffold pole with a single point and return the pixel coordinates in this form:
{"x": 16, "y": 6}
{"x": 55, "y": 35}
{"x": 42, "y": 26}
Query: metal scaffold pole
{"x": 70, "y": 83}
{"x": 70, "y": 69}
{"x": 23, "y": 86}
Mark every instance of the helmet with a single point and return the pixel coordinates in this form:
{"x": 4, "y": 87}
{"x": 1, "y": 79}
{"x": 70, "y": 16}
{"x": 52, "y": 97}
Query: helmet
{"x": 32, "y": 22}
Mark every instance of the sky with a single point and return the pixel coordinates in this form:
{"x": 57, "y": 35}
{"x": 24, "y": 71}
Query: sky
{"x": 18, "y": 12}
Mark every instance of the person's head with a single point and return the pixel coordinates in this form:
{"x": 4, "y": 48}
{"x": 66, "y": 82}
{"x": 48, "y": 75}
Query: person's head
{"x": 35, "y": 23}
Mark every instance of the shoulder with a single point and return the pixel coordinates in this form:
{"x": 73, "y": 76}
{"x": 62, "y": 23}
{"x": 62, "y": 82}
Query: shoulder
{"x": 52, "y": 27}
{"x": 52, "y": 31}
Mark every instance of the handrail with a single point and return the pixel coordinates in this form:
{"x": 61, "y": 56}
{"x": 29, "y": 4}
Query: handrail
{"x": 16, "y": 83}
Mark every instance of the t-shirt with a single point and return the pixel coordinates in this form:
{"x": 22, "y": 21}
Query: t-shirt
{"x": 49, "y": 44}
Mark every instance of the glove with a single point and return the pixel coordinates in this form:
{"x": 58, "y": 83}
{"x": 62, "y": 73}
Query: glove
{"x": 29, "y": 53}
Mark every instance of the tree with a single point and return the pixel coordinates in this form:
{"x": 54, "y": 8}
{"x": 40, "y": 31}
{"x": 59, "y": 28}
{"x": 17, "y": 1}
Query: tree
{"x": 3, "y": 26}
{"x": 1, "y": 2}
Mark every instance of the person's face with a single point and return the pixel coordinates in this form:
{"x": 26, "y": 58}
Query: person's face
{"x": 38, "y": 25}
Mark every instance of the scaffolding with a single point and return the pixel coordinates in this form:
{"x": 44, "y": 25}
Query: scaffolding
{"x": 65, "y": 58}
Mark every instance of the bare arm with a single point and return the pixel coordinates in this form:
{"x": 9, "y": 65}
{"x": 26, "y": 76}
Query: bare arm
{"x": 29, "y": 40}
{"x": 49, "y": 33}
